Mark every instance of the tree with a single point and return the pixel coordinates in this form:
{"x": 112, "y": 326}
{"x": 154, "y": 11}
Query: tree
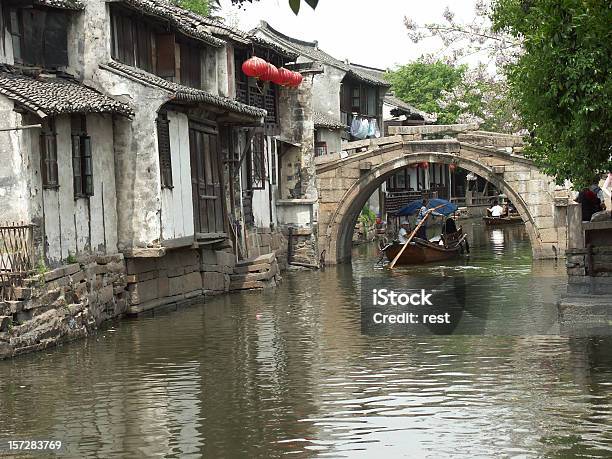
{"x": 561, "y": 82}
{"x": 422, "y": 84}
{"x": 203, "y": 7}
{"x": 456, "y": 94}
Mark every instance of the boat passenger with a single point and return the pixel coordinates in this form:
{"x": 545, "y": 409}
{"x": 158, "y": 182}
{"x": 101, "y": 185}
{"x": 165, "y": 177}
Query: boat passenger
{"x": 497, "y": 210}
{"x": 402, "y": 235}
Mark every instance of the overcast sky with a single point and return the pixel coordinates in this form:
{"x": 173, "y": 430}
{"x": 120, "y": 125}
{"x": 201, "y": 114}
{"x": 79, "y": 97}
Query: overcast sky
{"x": 368, "y": 32}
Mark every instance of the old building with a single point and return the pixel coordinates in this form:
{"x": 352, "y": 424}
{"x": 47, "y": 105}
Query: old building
{"x": 57, "y": 169}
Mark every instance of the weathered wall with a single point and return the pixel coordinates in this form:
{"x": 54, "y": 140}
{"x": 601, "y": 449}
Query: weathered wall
{"x": 176, "y": 202}
{"x": 136, "y": 161}
{"x": 326, "y": 91}
{"x": 14, "y": 164}
{"x": 70, "y": 226}
{"x": 82, "y": 225}
{"x": 332, "y": 138}
{"x": 95, "y": 45}
{"x": 62, "y": 305}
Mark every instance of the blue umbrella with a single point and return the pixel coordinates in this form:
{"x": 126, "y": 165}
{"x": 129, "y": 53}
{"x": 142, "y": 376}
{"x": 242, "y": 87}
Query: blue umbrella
{"x": 412, "y": 208}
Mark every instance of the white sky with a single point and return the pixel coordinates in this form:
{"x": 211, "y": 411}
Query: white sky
{"x": 368, "y": 32}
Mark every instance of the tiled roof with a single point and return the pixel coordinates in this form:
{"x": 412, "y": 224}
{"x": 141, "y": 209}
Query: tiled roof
{"x": 391, "y": 99}
{"x": 323, "y": 120}
{"x": 53, "y": 96}
{"x": 223, "y": 30}
{"x": 312, "y": 51}
{"x": 185, "y": 93}
{"x": 185, "y": 21}
{"x": 66, "y": 4}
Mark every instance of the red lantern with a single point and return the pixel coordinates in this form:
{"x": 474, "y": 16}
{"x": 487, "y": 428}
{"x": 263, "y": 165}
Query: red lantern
{"x": 296, "y": 80}
{"x": 425, "y": 165}
{"x": 284, "y": 76}
{"x": 270, "y": 74}
{"x": 254, "y": 67}
{"x": 452, "y": 167}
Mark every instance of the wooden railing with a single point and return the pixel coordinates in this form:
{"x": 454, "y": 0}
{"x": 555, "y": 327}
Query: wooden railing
{"x": 16, "y": 257}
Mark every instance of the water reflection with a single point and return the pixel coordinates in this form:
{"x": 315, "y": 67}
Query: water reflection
{"x": 287, "y": 371}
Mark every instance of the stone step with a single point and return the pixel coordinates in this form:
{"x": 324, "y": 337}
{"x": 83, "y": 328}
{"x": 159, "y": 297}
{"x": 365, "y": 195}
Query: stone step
{"x": 267, "y": 258}
{"x": 257, "y": 268}
{"x": 259, "y": 276}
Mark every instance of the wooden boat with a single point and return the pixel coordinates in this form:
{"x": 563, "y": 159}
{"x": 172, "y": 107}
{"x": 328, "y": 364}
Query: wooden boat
{"x": 508, "y": 220}
{"x": 422, "y": 251}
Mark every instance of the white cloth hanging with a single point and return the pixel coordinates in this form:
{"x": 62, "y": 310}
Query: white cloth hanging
{"x": 355, "y": 126}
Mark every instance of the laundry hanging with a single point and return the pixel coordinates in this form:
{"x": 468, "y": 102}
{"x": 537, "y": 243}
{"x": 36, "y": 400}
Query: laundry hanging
{"x": 373, "y": 130}
{"x": 355, "y": 126}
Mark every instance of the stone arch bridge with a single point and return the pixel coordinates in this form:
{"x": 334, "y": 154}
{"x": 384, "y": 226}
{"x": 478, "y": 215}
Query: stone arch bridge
{"x": 345, "y": 184}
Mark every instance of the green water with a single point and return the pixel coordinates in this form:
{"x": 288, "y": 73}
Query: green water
{"x": 287, "y": 372}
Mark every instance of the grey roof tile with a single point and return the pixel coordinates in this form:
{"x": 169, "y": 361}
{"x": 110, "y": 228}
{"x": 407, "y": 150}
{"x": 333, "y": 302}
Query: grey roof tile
{"x": 322, "y": 120}
{"x": 185, "y": 93}
{"x": 65, "y": 4}
{"x": 185, "y": 21}
{"x": 49, "y": 96}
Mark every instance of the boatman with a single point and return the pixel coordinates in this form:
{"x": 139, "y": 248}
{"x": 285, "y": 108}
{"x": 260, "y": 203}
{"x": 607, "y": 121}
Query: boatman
{"x": 422, "y": 232}
{"x": 496, "y": 210}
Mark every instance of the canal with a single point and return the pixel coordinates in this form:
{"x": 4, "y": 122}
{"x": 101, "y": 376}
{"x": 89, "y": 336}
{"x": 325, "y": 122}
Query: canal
{"x": 288, "y": 372}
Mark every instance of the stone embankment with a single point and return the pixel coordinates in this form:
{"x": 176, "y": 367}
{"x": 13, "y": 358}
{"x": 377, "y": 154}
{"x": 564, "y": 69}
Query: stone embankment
{"x": 62, "y": 305}
{"x": 72, "y": 301}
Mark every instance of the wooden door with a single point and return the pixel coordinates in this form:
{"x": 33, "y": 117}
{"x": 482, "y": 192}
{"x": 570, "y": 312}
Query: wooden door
{"x": 206, "y": 180}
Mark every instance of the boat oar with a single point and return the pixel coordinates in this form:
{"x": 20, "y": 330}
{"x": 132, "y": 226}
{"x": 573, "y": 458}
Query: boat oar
{"x": 427, "y": 214}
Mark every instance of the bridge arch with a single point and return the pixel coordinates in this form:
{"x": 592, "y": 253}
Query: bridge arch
{"x": 340, "y": 207}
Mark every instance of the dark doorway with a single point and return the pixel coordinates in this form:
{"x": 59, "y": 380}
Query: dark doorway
{"x": 206, "y": 179}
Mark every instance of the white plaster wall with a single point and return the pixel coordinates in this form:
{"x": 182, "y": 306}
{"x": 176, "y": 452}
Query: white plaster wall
{"x": 333, "y": 139}
{"x": 136, "y": 160}
{"x": 326, "y": 91}
{"x": 261, "y": 198}
{"x": 176, "y": 202}
{"x": 14, "y": 203}
{"x": 92, "y": 37}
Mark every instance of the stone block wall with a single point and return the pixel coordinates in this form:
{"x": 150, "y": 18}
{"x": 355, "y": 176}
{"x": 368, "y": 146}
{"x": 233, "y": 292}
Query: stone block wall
{"x": 262, "y": 241}
{"x": 62, "y": 305}
{"x": 589, "y": 270}
{"x": 303, "y": 246}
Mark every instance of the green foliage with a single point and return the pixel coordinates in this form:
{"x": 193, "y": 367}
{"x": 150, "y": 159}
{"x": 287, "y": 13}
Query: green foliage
{"x": 41, "y": 267}
{"x": 422, "y": 83}
{"x": 367, "y": 216}
{"x": 71, "y": 258}
{"x": 561, "y": 82}
{"x": 203, "y": 7}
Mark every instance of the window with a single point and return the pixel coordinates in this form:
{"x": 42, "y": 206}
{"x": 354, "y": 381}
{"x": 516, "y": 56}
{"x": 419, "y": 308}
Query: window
{"x": 132, "y": 41}
{"x": 258, "y": 163}
{"x": 191, "y": 65}
{"x": 320, "y": 148}
{"x": 82, "y": 166}
{"x": 165, "y": 157}
{"x": 39, "y": 37}
{"x": 15, "y": 29}
{"x": 48, "y": 154}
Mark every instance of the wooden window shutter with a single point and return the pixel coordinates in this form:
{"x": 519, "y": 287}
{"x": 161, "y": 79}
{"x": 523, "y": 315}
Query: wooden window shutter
{"x": 56, "y": 40}
{"x": 166, "y": 59}
{"x": 33, "y": 36}
{"x": 76, "y": 165}
{"x": 165, "y": 154}
{"x": 87, "y": 165}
